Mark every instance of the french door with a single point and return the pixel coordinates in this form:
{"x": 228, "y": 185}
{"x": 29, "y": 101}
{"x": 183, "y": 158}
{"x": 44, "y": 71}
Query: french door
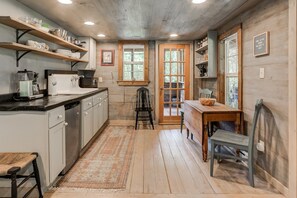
{"x": 174, "y": 77}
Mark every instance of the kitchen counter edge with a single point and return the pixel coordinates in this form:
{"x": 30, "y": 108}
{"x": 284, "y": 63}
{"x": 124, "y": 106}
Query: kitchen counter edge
{"x": 47, "y": 103}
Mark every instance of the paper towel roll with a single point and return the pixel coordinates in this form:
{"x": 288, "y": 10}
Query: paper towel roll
{"x": 52, "y": 86}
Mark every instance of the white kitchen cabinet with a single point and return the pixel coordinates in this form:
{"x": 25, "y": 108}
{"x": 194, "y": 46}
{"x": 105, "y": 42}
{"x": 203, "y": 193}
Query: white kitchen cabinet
{"x": 87, "y": 125}
{"x": 56, "y": 150}
{"x": 89, "y": 56}
{"x": 96, "y": 118}
{"x": 36, "y": 131}
{"x": 105, "y": 109}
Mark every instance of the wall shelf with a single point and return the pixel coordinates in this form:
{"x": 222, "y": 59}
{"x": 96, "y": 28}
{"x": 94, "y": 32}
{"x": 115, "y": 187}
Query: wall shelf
{"x": 206, "y": 68}
{"x": 20, "y": 25}
{"x": 202, "y": 63}
{"x": 201, "y": 50}
{"x": 28, "y": 49}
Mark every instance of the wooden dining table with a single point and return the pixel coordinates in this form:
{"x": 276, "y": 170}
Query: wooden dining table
{"x": 197, "y": 118}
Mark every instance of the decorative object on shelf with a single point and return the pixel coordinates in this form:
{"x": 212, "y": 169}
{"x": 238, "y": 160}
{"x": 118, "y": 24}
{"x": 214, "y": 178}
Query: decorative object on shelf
{"x": 207, "y": 101}
{"x": 203, "y": 71}
{"x": 107, "y": 57}
{"x": 37, "y": 45}
{"x": 261, "y": 44}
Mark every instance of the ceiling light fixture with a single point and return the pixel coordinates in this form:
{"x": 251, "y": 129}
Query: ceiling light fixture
{"x": 89, "y": 23}
{"x": 173, "y": 35}
{"x": 198, "y": 1}
{"x": 101, "y": 35}
{"x": 65, "y": 1}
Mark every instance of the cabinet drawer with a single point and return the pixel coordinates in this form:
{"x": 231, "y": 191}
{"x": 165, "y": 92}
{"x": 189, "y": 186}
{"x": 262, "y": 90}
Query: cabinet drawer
{"x": 104, "y": 94}
{"x": 56, "y": 116}
{"x": 97, "y": 98}
{"x": 87, "y": 103}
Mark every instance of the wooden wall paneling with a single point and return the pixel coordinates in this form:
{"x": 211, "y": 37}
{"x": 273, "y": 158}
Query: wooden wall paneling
{"x": 292, "y": 98}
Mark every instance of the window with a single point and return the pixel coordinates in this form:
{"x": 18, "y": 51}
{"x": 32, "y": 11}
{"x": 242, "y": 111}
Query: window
{"x": 231, "y": 71}
{"x": 133, "y": 63}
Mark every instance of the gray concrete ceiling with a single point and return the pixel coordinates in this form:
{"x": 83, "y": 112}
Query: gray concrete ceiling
{"x": 140, "y": 19}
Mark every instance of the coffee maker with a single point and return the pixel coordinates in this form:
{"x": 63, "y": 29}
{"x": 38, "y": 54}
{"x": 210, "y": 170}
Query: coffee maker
{"x": 27, "y": 85}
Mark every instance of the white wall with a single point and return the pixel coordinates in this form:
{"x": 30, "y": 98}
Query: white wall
{"x": 30, "y": 61}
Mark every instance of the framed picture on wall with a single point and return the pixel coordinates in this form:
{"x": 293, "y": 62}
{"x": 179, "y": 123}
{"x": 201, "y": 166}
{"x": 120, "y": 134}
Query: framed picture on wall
{"x": 107, "y": 57}
{"x": 261, "y": 44}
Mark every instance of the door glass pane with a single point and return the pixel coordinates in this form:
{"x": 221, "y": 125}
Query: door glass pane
{"x": 174, "y": 95}
{"x": 173, "y": 55}
{"x": 173, "y": 68}
{"x": 166, "y": 95}
{"x": 181, "y": 55}
{"x": 232, "y": 92}
{"x": 174, "y": 109}
{"x": 167, "y": 54}
{"x": 166, "y": 81}
{"x": 181, "y": 68}
{"x": 173, "y": 79}
{"x": 167, "y": 68}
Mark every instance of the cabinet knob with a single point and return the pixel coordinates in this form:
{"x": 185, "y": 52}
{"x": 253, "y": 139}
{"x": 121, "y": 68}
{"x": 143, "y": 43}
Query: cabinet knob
{"x": 77, "y": 113}
{"x": 100, "y": 104}
{"x": 86, "y": 113}
{"x": 66, "y": 123}
{"x": 60, "y": 116}
{"x": 89, "y": 103}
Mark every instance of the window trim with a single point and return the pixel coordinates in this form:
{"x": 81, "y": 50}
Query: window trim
{"x": 221, "y": 78}
{"x": 122, "y": 82}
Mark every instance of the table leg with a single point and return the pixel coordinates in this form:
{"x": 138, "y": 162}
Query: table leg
{"x": 205, "y": 142}
{"x": 237, "y": 130}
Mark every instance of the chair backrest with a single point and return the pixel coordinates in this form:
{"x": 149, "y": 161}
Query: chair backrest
{"x": 205, "y": 93}
{"x": 258, "y": 107}
{"x": 143, "y": 99}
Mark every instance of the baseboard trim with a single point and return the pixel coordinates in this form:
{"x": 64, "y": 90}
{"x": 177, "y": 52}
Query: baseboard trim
{"x": 273, "y": 181}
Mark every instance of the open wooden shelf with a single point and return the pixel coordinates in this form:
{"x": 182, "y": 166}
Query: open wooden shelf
{"x": 21, "y": 47}
{"x": 202, "y": 62}
{"x": 202, "y": 49}
{"x": 20, "y": 25}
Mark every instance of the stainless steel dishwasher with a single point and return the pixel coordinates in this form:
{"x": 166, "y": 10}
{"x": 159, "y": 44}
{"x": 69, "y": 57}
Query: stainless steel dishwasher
{"x": 73, "y": 136}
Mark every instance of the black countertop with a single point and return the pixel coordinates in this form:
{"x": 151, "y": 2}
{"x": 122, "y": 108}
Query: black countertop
{"x": 46, "y": 103}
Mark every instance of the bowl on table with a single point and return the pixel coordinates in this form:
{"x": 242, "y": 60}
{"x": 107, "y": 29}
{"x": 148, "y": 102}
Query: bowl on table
{"x": 207, "y": 101}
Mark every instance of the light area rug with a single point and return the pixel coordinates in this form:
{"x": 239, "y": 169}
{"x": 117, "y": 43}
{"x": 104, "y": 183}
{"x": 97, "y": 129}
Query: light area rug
{"x": 107, "y": 162}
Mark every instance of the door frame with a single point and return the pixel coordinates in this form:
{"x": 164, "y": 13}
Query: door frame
{"x": 157, "y": 72}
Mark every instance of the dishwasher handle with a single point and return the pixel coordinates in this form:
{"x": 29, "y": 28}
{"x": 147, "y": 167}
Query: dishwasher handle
{"x": 71, "y": 105}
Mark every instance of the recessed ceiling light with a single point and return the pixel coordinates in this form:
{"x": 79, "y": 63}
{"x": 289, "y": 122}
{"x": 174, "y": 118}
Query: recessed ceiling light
{"x": 65, "y": 1}
{"x": 101, "y": 35}
{"x": 89, "y": 23}
{"x": 173, "y": 35}
{"x": 198, "y": 1}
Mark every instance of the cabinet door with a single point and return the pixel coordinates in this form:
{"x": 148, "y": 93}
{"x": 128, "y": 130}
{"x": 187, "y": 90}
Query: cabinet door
{"x": 105, "y": 109}
{"x": 56, "y": 150}
{"x": 101, "y": 114}
{"x": 87, "y": 125}
{"x": 96, "y": 118}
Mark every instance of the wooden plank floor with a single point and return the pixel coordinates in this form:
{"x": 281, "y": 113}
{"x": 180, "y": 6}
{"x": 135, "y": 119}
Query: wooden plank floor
{"x": 167, "y": 164}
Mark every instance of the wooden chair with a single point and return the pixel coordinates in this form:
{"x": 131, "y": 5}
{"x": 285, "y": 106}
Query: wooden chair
{"x": 237, "y": 141}
{"x": 143, "y": 104}
{"x": 13, "y": 163}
